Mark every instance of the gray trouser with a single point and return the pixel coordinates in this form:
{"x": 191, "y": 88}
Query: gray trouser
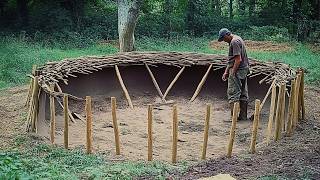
{"x": 238, "y": 86}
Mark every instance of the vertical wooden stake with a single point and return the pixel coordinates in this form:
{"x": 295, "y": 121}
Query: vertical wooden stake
{"x": 52, "y": 117}
{"x": 34, "y": 67}
{"x": 279, "y": 112}
{"x": 35, "y": 104}
{"x": 255, "y": 126}
{"x": 271, "y": 115}
{"x": 115, "y": 125}
{"x": 174, "y": 134}
{"x": 291, "y": 108}
{"x": 206, "y": 132}
{"x": 233, "y": 128}
{"x": 296, "y": 100}
{"x": 89, "y": 124}
{"x": 283, "y": 109}
{"x": 303, "y": 110}
{"x": 66, "y": 122}
{"x": 150, "y": 132}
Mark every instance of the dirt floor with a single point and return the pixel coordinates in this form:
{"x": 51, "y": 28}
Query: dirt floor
{"x": 296, "y": 156}
{"x": 133, "y": 129}
{"x": 256, "y": 46}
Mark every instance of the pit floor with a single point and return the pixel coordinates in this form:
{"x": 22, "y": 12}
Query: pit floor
{"x": 133, "y": 128}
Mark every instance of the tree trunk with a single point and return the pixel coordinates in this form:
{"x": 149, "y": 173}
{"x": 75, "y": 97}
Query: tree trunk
{"x": 242, "y": 7}
{"x": 216, "y": 7}
{"x": 230, "y": 9}
{"x": 128, "y": 12}
{"x": 252, "y": 7}
{"x": 190, "y": 16}
{"x": 22, "y": 6}
{"x": 317, "y": 10}
{"x": 296, "y": 10}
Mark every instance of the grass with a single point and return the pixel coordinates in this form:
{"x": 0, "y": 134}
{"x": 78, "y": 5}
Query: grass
{"x": 43, "y": 161}
{"x": 17, "y": 57}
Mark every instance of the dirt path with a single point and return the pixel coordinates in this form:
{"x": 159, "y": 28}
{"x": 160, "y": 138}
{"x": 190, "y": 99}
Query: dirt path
{"x": 13, "y": 115}
{"x": 296, "y": 157}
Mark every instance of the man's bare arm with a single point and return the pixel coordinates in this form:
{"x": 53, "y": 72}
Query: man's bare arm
{"x": 237, "y": 61}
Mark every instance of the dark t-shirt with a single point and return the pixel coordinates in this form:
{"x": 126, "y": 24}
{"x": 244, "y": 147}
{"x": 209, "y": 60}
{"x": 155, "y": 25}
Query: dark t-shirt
{"x": 237, "y": 47}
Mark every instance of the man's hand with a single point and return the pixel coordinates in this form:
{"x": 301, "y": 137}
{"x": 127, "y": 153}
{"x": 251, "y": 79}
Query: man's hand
{"x": 225, "y": 76}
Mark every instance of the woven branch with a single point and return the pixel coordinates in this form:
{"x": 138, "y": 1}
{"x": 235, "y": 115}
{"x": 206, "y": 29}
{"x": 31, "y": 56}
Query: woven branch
{"x": 60, "y": 71}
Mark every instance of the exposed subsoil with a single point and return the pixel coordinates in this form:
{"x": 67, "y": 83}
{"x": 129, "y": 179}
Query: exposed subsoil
{"x": 296, "y": 157}
{"x": 256, "y": 46}
{"x": 133, "y": 129}
{"x": 133, "y": 122}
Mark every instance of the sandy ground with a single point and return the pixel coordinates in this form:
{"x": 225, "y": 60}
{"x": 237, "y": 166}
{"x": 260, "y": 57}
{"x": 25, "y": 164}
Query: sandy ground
{"x": 293, "y": 157}
{"x": 133, "y": 129}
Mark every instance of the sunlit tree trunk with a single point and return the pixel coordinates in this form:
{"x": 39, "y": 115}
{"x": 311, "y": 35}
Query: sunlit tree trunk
{"x": 231, "y": 9}
{"x": 128, "y": 12}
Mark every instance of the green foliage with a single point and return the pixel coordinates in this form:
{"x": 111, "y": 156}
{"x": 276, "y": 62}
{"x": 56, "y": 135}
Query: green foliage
{"x": 267, "y": 33}
{"x": 44, "y": 161}
{"x": 18, "y": 56}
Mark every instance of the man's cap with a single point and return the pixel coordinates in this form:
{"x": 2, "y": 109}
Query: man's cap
{"x": 222, "y": 33}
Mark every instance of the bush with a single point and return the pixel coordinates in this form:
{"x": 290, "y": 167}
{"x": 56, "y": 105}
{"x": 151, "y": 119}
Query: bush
{"x": 269, "y": 33}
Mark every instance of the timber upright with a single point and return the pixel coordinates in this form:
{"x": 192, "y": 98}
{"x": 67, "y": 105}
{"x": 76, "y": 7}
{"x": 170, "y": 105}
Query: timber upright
{"x": 236, "y": 71}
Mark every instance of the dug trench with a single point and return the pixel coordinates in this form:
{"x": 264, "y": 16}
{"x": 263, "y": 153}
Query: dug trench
{"x": 104, "y": 84}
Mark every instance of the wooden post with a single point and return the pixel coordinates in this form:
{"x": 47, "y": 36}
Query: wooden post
{"x": 89, "y": 124}
{"x": 296, "y": 100}
{"x": 283, "y": 109}
{"x": 301, "y": 104}
{"x": 150, "y": 132}
{"x": 172, "y": 83}
{"x": 271, "y": 115}
{"x": 35, "y": 104}
{"x": 268, "y": 93}
{"x": 52, "y": 117}
{"x": 279, "y": 112}
{"x": 69, "y": 112}
{"x": 155, "y": 83}
{"x": 255, "y": 126}
{"x": 123, "y": 87}
{"x": 291, "y": 108}
{"x": 115, "y": 125}
{"x": 34, "y": 67}
{"x": 174, "y": 134}
{"x": 66, "y": 122}
{"x": 233, "y": 128}
{"x": 203, "y": 80}
{"x": 206, "y": 132}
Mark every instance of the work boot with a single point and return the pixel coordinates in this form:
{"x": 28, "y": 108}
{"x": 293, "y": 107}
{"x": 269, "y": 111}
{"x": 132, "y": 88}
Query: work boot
{"x": 243, "y": 111}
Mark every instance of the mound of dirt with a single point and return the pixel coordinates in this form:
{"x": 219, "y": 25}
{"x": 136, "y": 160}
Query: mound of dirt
{"x": 256, "y": 46}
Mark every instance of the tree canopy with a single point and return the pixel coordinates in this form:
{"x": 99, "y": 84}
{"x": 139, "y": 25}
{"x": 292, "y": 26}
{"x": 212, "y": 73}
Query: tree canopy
{"x": 97, "y": 19}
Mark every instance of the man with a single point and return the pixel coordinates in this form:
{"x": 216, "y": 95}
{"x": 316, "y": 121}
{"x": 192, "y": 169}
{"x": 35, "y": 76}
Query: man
{"x": 236, "y": 71}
